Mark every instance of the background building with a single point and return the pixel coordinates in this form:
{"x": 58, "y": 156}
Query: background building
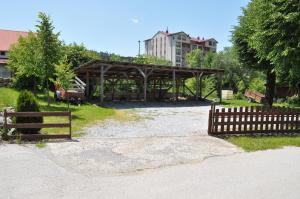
{"x": 7, "y": 38}
{"x": 175, "y": 46}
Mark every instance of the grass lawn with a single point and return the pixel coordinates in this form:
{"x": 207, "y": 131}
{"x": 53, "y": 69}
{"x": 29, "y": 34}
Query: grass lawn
{"x": 236, "y": 103}
{"x": 82, "y": 116}
{"x": 263, "y": 143}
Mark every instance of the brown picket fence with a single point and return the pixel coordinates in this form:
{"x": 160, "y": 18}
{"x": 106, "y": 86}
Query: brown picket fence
{"x": 253, "y": 120}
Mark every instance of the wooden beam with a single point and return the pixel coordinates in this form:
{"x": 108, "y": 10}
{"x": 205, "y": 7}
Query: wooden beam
{"x": 200, "y": 85}
{"x": 102, "y": 85}
{"x": 174, "y": 85}
{"x": 87, "y": 84}
{"x": 197, "y": 86}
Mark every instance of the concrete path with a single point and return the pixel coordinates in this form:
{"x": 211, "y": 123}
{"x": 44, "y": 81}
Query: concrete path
{"x": 25, "y": 173}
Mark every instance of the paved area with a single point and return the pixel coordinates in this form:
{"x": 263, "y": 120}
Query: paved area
{"x": 25, "y": 173}
{"x": 161, "y": 135}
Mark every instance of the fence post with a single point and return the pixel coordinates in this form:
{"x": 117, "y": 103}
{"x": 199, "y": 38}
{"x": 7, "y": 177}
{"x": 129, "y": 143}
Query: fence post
{"x": 210, "y": 121}
{"x": 4, "y": 136}
{"x": 70, "y": 122}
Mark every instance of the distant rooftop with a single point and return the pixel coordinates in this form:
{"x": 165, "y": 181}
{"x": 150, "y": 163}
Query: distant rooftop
{"x": 9, "y": 37}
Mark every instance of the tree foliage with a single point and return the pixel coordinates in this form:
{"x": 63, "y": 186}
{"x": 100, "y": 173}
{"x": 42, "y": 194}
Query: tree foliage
{"x": 78, "y": 54}
{"x": 195, "y": 58}
{"x": 64, "y": 74}
{"x": 50, "y": 48}
{"x": 25, "y": 62}
{"x": 145, "y": 59}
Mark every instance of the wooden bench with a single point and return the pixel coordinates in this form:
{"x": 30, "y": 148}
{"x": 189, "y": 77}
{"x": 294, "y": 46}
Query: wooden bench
{"x": 38, "y": 125}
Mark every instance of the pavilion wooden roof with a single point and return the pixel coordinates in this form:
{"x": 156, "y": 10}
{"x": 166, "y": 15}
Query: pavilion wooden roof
{"x": 132, "y": 70}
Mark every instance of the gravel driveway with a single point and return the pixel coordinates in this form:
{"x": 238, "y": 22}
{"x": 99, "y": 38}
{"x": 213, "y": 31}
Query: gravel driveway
{"x": 162, "y": 135}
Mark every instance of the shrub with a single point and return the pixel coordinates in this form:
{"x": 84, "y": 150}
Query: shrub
{"x": 27, "y": 103}
{"x": 239, "y": 96}
{"x": 257, "y": 84}
{"x": 293, "y": 99}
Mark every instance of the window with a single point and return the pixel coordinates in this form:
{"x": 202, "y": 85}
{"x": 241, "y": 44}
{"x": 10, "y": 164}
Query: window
{"x": 2, "y": 53}
{"x": 210, "y": 43}
{"x": 194, "y": 47}
{"x": 177, "y": 64}
{"x": 178, "y": 52}
{"x": 179, "y": 37}
{"x": 178, "y": 59}
{"x": 183, "y": 38}
{"x": 178, "y": 44}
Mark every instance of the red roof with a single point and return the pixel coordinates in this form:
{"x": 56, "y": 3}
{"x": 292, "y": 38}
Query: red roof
{"x": 9, "y": 37}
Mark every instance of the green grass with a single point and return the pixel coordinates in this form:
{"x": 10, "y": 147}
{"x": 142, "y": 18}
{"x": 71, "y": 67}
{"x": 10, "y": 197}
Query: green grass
{"x": 40, "y": 144}
{"x": 235, "y": 103}
{"x": 263, "y": 143}
{"x": 82, "y": 116}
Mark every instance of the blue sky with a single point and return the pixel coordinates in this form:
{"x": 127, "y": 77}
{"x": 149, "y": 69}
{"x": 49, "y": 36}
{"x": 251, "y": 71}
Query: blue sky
{"x": 116, "y": 25}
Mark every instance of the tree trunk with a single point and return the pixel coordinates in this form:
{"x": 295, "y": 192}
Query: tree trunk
{"x": 270, "y": 88}
{"x": 298, "y": 93}
{"x": 48, "y": 97}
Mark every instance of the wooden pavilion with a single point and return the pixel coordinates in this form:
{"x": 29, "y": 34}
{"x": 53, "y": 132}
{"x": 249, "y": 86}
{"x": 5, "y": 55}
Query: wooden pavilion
{"x": 144, "y": 80}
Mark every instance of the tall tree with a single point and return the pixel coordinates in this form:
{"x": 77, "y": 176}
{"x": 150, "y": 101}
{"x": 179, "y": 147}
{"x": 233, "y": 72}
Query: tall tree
{"x": 247, "y": 53}
{"x": 50, "y": 48}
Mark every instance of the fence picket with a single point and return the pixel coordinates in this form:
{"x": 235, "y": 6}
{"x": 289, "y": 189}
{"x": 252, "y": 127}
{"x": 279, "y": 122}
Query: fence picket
{"x": 254, "y": 120}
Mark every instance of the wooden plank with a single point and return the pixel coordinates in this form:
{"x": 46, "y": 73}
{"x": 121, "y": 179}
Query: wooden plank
{"x": 222, "y": 120}
{"x": 37, "y": 125}
{"x": 240, "y": 119}
{"x": 39, "y": 136}
{"x": 210, "y": 123}
{"x": 216, "y": 121}
{"x": 234, "y": 119}
{"x": 37, "y": 114}
{"x": 228, "y": 120}
{"x": 251, "y": 116}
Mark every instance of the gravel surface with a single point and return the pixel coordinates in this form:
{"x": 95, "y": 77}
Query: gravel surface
{"x": 162, "y": 134}
{"x": 159, "y": 119}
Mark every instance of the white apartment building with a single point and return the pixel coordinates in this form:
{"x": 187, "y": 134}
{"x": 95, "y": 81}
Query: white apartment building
{"x": 175, "y": 46}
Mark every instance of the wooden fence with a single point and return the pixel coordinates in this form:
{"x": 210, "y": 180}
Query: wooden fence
{"x": 253, "y": 120}
{"x": 39, "y": 125}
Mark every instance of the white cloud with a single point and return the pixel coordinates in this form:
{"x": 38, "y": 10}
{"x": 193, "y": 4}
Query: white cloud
{"x": 134, "y": 20}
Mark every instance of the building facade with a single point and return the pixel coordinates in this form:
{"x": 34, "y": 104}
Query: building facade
{"x": 7, "y": 38}
{"x": 175, "y": 46}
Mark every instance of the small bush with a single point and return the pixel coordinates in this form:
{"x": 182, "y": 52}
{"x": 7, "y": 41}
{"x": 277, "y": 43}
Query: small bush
{"x": 257, "y": 84}
{"x": 293, "y": 99}
{"x": 239, "y": 96}
{"x": 27, "y": 103}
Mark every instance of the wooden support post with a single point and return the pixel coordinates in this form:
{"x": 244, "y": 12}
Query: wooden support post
{"x": 87, "y": 84}
{"x": 200, "y": 85}
{"x": 102, "y": 85}
{"x": 4, "y": 136}
{"x": 174, "y": 85}
{"x": 160, "y": 87}
{"x": 177, "y": 89}
{"x": 154, "y": 89}
{"x": 70, "y": 123}
{"x": 197, "y": 87}
{"x": 113, "y": 90}
{"x": 145, "y": 89}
